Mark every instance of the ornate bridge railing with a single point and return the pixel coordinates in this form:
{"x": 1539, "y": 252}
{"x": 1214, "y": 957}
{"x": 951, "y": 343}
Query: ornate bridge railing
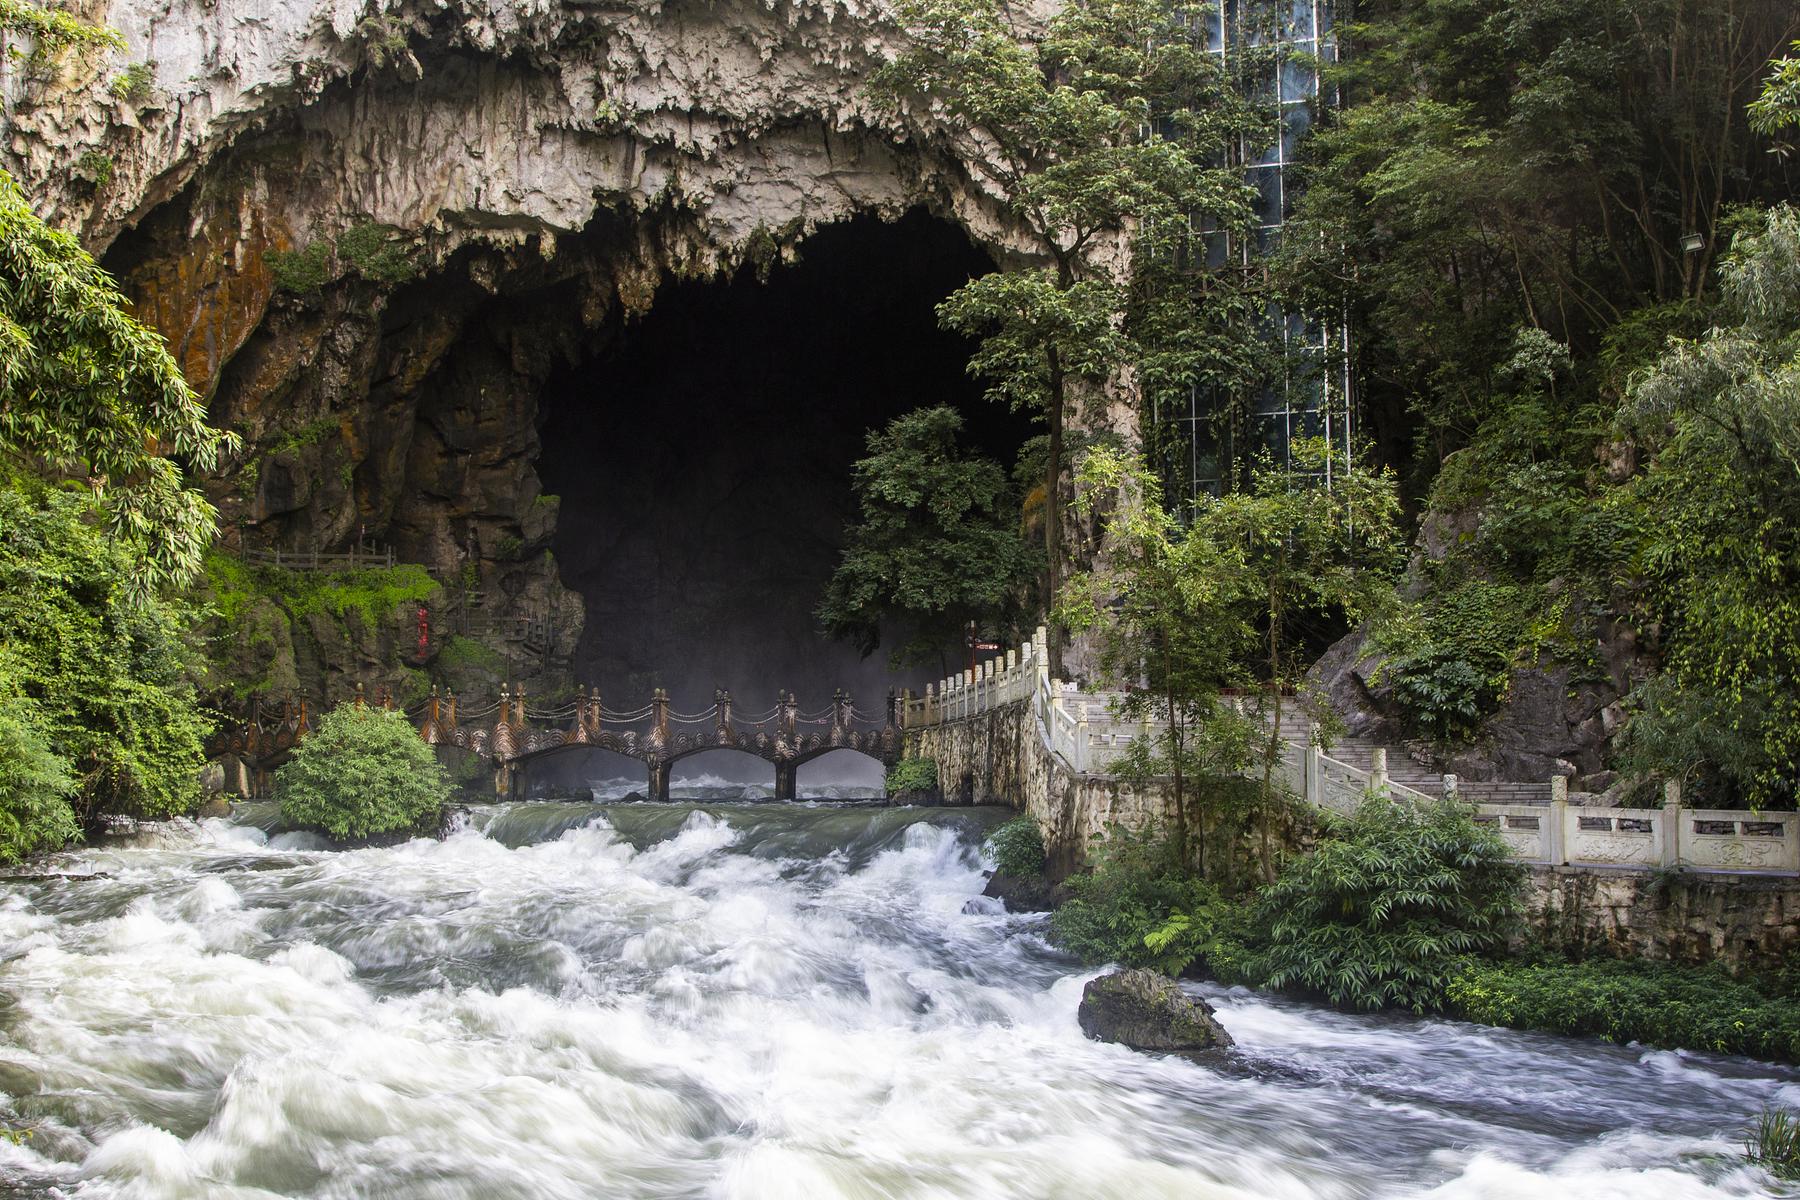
{"x": 512, "y": 733}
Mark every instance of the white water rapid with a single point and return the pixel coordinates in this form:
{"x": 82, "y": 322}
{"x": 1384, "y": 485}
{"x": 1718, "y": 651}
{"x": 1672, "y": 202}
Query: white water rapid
{"x": 753, "y": 1000}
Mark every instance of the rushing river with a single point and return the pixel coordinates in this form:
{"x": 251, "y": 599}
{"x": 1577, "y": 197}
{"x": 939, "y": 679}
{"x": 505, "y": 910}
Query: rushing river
{"x": 750, "y": 1000}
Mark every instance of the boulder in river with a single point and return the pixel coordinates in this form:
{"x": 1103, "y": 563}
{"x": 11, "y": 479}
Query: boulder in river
{"x": 1147, "y": 1011}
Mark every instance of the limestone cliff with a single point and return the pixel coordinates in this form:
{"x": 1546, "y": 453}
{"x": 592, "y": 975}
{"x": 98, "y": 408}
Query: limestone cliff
{"x": 372, "y": 229}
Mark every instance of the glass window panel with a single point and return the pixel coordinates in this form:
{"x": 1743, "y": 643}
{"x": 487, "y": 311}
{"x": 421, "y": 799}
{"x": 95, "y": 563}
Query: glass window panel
{"x": 1296, "y": 120}
{"x": 1298, "y": 80}
{"x": 1218, "y": 252}
{"x": 1309, "y": 423}
{"x": 1267, "y": 182}
{"x": 1299, "y": 19}
{"x": 1215, "y": 32}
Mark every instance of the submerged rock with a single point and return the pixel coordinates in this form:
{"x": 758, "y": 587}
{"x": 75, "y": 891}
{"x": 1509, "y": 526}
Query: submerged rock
{"x": 1147, "y": 1011}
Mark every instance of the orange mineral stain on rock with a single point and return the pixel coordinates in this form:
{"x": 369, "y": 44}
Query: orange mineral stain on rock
{"x": 209, "y": 295}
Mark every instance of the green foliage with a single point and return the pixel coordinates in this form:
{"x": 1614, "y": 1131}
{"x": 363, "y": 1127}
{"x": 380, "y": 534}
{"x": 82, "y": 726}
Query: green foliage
{"x": 36, "y": 784}
{"x": 373, "y": 593}
{"x": 361, "y": 773}
{"x": 1139, "y": 906}
{"x": 1774, "y": 1142}
{"x": 95, "y": 166}
{"x": 134, "y": 84}
{"x": 97, "y": 676}
{"x": 303, "y": 271}
{"x": 1065, "y": 125}
{"x": 1017, "y": 847}
{"x": 52, "y": 30}
{"x": 913, "y": 775}
{"x": 1657, "y": 1004}
{"x": 377, "y": 253}
{"x": 1385, "y": 911}
{"x": 1778, "y": 107}
{"x": 85, "y": 388}
{"x": 1722, "y": 557}
{"x": 1234, "y": 596}
{"x": 937, "y": 545}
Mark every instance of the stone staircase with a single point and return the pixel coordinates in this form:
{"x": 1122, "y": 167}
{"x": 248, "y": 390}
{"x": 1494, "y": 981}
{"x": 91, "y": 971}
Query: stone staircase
{"x": 1404, "y": 768}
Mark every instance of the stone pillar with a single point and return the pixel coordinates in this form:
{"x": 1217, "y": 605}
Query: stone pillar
{"x": 1378, "y": 773}
{"x": 1558, "y": 847}
{"x": 1312, "y": 771}
{"x": 1674, "y": 818}
{"x": 658, "y": 783}
{"x": 787, "y": 785}
{"x": 1452, "y": 787}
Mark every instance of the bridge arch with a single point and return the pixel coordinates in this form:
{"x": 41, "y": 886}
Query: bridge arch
{"x": 844, "y": 767}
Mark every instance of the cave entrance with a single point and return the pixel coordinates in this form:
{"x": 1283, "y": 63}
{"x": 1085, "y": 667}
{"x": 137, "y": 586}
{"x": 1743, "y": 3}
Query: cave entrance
{"x": 703, "y": 458}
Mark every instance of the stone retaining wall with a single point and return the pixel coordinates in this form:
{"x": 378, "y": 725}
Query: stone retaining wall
{"x": 998, "y": 757}
{"x": 1747, "y": 922}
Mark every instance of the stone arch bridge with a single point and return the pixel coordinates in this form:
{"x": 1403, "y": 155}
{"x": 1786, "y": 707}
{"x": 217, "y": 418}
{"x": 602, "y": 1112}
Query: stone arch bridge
{"x": 512, "y": 734}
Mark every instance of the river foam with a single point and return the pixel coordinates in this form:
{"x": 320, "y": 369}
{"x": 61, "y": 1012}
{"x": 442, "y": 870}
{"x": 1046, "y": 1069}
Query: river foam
{"x": 740, "y": 1001}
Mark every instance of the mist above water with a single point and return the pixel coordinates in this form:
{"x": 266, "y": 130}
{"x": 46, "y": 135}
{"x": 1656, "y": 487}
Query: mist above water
{"x": 737, "y": 1000}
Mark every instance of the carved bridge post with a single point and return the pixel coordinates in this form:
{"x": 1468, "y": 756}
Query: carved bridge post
{"x": 722, "y": 715}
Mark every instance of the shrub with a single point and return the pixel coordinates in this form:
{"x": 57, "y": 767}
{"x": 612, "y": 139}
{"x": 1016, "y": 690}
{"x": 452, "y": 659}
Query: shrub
{"x": 1774, "y": 1142}
{"x": 364, "y": 771}
{"x": 35, "y": 784}
{"x": 913, "y": 775}
{"x": 1654, "y": 1003}
{"x": 1017, "y": 847}
{"x": 108, "y": 680}
{"x": 375, "y": 252}
{"x": 1385, "y": 910}
{"x": 304, "y": 270}
{"x": 1138, "y": 888}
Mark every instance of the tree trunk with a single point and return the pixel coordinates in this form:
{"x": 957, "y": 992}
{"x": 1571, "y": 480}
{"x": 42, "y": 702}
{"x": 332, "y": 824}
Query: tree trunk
{"x": 1053, "y": 511}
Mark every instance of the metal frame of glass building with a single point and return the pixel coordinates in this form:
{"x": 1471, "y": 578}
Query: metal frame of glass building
{"x": 1313, "y": 399}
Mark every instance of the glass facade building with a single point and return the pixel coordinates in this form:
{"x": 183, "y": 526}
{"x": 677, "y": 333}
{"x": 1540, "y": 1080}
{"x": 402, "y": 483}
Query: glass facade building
{"x": 1218, "y": 434}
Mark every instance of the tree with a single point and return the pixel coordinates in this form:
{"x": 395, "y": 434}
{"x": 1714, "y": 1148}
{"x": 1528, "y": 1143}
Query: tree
{"x": 1722, "y": 412}
{"x": 1239, "y": 595}
{"x": 97, "y": 677}
{"x": 1318, "y": 543}
{"x": 85, "y": 388}
{"x": 363, "y": 772}
{"x": 938, "y": 544}
{"x": 1170, "y": 625}
{"x": 1118, "y": 118}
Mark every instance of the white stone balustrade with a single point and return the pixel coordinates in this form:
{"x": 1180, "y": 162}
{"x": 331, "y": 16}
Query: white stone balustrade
{"x": 1084, "y": 733}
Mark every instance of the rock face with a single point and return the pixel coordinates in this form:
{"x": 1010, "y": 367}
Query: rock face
{"x": 372, "y": 231}
{"x": 1147, "y": 1011}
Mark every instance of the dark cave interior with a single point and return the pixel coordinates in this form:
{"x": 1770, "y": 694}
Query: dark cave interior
{"x": 703, "y": 458}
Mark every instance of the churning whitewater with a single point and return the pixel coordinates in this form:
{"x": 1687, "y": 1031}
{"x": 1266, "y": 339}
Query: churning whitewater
{"x": 750, "y": 1000}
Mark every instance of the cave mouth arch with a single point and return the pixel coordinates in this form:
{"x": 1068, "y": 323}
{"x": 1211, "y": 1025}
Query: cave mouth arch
{"x": 702, "y": 459}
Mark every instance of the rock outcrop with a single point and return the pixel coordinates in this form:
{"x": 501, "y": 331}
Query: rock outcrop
{"x": 1147, "y": 1011}
{"x": 373, "y": 229}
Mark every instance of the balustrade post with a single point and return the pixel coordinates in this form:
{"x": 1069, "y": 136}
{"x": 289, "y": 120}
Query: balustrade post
{"x": 519, "y": 719}
{"x": 930, "y": 717}
{"x": 1311, "y": 769}
{"x": 1378, "y": 771}
{"x": 842, "y": 715}
{"x": 359, "y": 694}
{"x": 1559, "y": 820}
{"x": 1452, "y": 787}
{"x": 659, "y": 705}
{"x": 722, "y": 714}
{"x": 596, "y": 713}
{"x": 450, "y": 713}
{"x": 789, "y": 712}
{"x": 1081, "y": 741}
{"x": 1673, "y": 817}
